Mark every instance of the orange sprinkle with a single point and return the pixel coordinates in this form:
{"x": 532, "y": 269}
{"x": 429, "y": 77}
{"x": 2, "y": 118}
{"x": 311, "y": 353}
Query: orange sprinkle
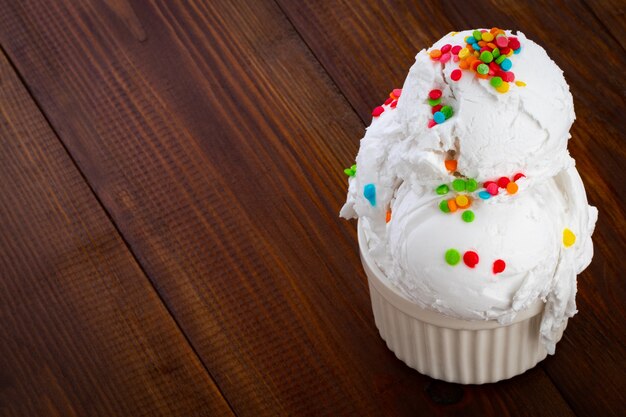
{"x": 463, "y": 64}
{"x": 452, "y": 205}
{"x": 435, "y": 54}
{"x": 492, "y": 45}
{"x": 475, "y": 64}
{"x": 388, "y": 218}
{"x": 483, "y": 76}
{"x": 451, "y": 165}
{"x": 493, "y": 30}
{"x": 512, "y": 187}
{"x": 463, "y": 201}
{"x": 482, "y": 43}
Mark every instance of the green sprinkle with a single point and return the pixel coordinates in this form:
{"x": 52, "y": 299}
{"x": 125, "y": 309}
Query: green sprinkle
{"x": 443, "y": 206}
{"x": 477, "y": 34}
{"x": 482, "y": 69}
{"x": 471, "y": 185}
{"x": 442, "y": 189}
{"x": 447, "y": 111}
{"x": 453, "y": 257}
{"x": 495, "y": 53}
{"x": 351, "y": 172}
{"x": 486, "y": 57}
{"x": 434, "y": 102}
{"x": 458, "y": 185}
{"x": 500, "y": 59}
{"x": 496, "y": 82}
{"x": 468, "y": 216}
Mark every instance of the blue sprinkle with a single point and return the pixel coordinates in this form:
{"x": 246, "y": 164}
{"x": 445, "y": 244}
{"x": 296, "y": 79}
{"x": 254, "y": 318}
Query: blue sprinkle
{"x": 471, "y": 39}
{"x": 484, "y": 195}
{"x": 476, "y": 46}
{"x": 439, "y": 117}
{"x": 369, "y": 192}
{"x": 506, "y": 64}
{"x": 518, "y": 50}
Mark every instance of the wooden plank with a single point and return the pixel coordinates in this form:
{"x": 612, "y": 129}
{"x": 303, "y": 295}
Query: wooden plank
{"x": 367, "y": 49}
{"x": 217, "y": 142}
{"x": 83, "y": 332}
{"x": 612, "y": 16}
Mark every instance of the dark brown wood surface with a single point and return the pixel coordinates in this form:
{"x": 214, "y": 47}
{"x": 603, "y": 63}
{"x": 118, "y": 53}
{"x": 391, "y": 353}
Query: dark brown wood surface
{"x": 175, "y": 249}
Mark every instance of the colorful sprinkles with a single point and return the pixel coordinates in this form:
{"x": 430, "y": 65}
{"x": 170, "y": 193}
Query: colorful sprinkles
{"x": 391, "y": 102}
{"x": 441, "y": 112}
{"x": 487, "y": 54}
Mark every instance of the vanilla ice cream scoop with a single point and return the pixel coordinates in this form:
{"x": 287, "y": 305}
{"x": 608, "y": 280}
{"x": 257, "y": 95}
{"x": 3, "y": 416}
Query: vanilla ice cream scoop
{"x": 469, "y": 200}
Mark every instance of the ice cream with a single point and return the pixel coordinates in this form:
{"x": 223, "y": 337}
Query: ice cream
{"x": 469, "y": 199}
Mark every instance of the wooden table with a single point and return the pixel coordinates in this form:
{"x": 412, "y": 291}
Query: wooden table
{"x": 170, "y": 181}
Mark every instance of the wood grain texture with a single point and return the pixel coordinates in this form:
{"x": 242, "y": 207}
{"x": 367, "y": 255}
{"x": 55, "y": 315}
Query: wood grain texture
{"x": 367, "y": 49}
{"x": 83, "y": 332}
{"x": 612, "y": 16}
{"x": 215, "y": 140}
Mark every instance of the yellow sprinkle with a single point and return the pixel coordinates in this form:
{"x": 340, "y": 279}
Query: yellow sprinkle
{"x": 510, "y": 52}
{"x": 568, "y": 238}
{"x": 453, "y": 33}
{"x": 464, "y": 53}
{"x": 520, "y": 83}
{"x": 487, "y": 37}
{"x": 462, "y": 201}
{"x": 503, "y": 88}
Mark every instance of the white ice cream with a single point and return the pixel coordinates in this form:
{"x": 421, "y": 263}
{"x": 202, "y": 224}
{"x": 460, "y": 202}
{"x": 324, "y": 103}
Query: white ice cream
{"x": 490, "y": 135}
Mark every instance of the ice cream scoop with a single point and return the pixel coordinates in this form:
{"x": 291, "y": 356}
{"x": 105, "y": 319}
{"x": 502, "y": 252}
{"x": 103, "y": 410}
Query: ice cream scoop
{"x": 468, "y": 198}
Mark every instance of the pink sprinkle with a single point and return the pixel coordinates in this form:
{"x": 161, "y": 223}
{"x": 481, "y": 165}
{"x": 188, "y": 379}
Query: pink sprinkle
{"x": 456, "y": 58}
{"x": 378, "y": 111}
{"x": 397, "y": 92}
{"x": 492, "y": 188}
{"x": 394, "y": 104}
{"x": 388, "y": 101}
{"x": 456, "y": 74}
{"x": 502, "y": 41}
{"x": 455, "y": 49}
{"x": 445, "y": 58}
{"x": 431, "y": 123}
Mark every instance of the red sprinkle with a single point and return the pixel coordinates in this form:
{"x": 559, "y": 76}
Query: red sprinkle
{"x": 378, "y": 111}
{"x": 518, "y": 176}
{"x": 486, "y": 183}
{"x": 394, "y": 104}
{"x": 447, "y": 47}
{"x": 505, "y": 51}
{"x": 431, "y": 123}
{"x": 455, "y": 49}
{"x": 434, "y": 94}
{"x": 436, "y": 108}
{"x": 388, "y": 101}
{"x": 492, "y": 188}
{"x": 470, "y": 258}
{"x": 397, "y": 92}
{"x": 503, "y": 181}
{"x": 498, "y": 266}
{"x": 456, "y": 75}
{"x": 514, "y": 43}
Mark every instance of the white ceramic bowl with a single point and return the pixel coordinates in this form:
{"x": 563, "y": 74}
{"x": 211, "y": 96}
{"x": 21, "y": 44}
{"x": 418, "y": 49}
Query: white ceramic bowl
{"x": 451, "y": 349}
